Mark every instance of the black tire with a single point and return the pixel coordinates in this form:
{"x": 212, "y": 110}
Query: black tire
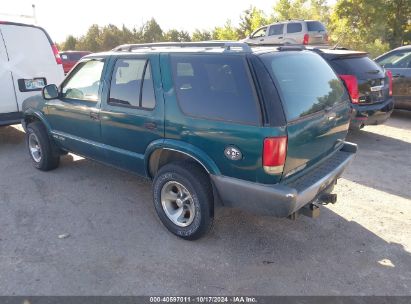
{"x": 193, "y": 179}
{"x": 49, "y": 157}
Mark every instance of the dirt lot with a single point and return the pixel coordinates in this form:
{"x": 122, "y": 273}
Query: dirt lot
{"x": 117, "y": 246}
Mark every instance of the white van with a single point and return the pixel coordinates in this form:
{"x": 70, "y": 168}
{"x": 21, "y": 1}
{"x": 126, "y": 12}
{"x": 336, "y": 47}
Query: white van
{"x": 28, "y": 61}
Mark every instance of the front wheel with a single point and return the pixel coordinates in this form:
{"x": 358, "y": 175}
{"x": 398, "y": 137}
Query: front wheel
{"x": 41, "y": 149}
{"x": 183, "y": 199}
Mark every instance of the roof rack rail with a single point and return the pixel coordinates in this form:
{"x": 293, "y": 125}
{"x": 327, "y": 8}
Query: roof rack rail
{"x": 296, "y": 47}
{"x": 226, "y": 45}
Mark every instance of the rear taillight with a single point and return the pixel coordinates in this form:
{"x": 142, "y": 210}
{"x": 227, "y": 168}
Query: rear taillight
{"x": 389, "y": 75}
{"x": 274, "y": 154}
{"x": 351, "y": 84}
{"x": 56, "y": 54}
{"x": 306, "y": 39}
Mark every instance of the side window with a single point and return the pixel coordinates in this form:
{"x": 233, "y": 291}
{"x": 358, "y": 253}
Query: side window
{"x": 131, "y": 84}
{"x": 399, "y": 60}
{"x": 259, "y": 33}
{"x": 84, "y": 84}
{"x": 215, "y": 87}
{"x": 276, "y": 29}
{"x": 294, "y": 28}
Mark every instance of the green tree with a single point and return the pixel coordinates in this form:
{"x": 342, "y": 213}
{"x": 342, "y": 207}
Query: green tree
{"x": 227, "y": 32}
{"x": 399, "y": 22}
{"x": 201, "y": 35}
{"x": 302, "y": 9}
{"x": 70, "y": 43}
{"x": 353, "y": 25}
{"x": 110, "y": 37}
{"x": 90, "y": 41}
{"x": 152, "y": 31}
{"x": 177, "y": 36}
{"x": 250, "y": 20}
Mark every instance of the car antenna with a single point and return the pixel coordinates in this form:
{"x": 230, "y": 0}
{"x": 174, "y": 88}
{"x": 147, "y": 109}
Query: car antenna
{"x": 338, "y": 41}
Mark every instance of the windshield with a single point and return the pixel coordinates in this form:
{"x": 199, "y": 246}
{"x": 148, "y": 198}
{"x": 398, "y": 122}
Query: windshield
{"x": 305, "y": 81}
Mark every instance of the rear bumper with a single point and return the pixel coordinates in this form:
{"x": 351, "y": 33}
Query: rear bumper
{"x": 372, "y": 114}
{"x": 283, "y": 199}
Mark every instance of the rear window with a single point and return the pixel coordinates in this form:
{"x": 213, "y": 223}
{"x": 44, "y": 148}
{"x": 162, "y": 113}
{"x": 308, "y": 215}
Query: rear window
{"x": 72, "y": 56}
{"x": 215, "y": 87}
{"x": 76, "y": 56}
{"x": 315, "y": 26}
{"x": 294, "y": 28}
{"x": 305, "y": 81}
{"x": 358, "y": 66}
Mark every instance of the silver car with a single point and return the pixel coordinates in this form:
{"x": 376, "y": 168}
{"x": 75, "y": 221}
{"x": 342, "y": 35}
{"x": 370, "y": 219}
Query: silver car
{"x": 290, "y": 32}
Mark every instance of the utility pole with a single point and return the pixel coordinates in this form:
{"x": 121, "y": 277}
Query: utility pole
{"x": 33, "y": 17}
{"x": 34, "y": 13}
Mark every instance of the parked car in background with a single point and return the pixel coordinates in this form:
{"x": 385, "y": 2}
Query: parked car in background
{"x": 206, "y": 122}
{"x": 29, "y": 60}
{"x": 70, "y": 58}
{"x": 398, "y": 61}
{"x": 290, "y": 32}
{"x": 369, "y": 85}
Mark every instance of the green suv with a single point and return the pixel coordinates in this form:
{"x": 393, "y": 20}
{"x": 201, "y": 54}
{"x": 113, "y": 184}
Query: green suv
{"x": 210, "y": 123}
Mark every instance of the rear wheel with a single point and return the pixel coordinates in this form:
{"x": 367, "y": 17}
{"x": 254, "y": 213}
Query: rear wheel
{"x": 42, "y": 150}
{"x": 183, "y": 199}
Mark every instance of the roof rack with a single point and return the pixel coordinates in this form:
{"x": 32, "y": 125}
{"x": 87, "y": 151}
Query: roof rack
{"x": 226, "y": 45}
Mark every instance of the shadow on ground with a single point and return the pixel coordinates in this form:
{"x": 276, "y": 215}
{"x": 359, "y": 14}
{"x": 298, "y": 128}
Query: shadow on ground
{"x": 382, "y": 162}
{"x": 116, "y": 244}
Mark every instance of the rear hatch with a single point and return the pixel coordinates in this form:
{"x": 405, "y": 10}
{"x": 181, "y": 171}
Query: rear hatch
{"x": 373, "y": 85}
{"x": 316, "y": 32}
{"x": 315, "y": 103}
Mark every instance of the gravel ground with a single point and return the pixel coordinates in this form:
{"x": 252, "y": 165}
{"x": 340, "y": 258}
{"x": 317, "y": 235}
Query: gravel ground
{"x": 115, "y": 245}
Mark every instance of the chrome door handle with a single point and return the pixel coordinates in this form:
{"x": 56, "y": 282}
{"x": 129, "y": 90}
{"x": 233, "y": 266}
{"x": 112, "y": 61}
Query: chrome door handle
{"x": 94, "y": 116}
{"x": 150, "y": 125}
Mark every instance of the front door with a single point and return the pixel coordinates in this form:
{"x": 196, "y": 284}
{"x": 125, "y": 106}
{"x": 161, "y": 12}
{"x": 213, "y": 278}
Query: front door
{"x": 258, "y": 37}
{"x": 399, "y": 63}
{"x": 132, "y": 114}
{"x": 74, "y": 117}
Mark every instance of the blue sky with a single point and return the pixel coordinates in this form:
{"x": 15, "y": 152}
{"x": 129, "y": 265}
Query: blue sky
{"x": 62, "y": 18}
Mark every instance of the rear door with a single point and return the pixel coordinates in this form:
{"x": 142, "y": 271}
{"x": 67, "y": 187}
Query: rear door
{"x": 31, "y": 60}
{"x": 275, "y": 34}
{"x": 294, "y": 33}
{"x": 8, "y": 102}
{"x": 316, "y": 32}
{"x": 316, "y": 106}
{"x": 132, "y": 115}
{"x": 399, "y": 63}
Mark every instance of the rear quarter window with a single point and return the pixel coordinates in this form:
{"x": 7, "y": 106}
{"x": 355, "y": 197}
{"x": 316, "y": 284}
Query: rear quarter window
{"x": 315, "y": 26}
{"x": 306, "y": 83}
{"x": 294, "y": 28}
{"x": 215, "y": 87}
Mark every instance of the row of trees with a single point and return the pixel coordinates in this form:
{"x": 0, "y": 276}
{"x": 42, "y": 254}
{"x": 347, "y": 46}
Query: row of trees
{"x": 371, "y": 25}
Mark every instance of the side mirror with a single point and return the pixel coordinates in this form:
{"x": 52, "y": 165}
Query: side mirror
{"x": 50, "y": 92}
